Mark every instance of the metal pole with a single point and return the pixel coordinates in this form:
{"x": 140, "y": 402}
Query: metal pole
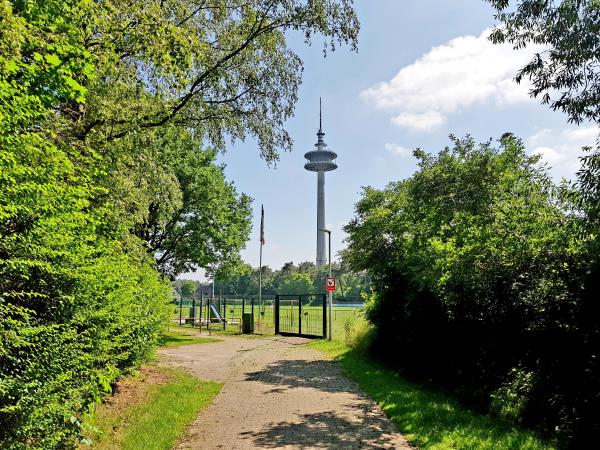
{"x": 180, "y": 308}
{"x": 329, "y": 292}
{"x": 259, "y": 287}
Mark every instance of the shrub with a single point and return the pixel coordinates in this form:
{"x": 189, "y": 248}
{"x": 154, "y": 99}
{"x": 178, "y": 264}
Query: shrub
{"x": 482, "y": 274}
{"x": 358, "y": 332}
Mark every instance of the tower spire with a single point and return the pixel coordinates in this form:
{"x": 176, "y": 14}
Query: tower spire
{"x": 320, "y": 142}
{"x": 320, "y": 117}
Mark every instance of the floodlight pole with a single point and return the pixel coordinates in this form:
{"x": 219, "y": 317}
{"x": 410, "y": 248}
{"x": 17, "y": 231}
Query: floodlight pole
{"x": 329, "y": 294}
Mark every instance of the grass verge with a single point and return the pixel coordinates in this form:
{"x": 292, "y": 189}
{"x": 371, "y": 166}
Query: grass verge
{"x": 150, "y": 411}
{"x": 173, "y": 338}
{"x": 428, "y": 419}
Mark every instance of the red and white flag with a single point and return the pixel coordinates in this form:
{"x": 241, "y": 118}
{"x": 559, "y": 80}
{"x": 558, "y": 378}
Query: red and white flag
{"x": 262, "y": 225}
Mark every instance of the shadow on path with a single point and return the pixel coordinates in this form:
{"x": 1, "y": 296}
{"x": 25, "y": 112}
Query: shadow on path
{"x": 322, "y": 375}
{"x": 325, "y": 430}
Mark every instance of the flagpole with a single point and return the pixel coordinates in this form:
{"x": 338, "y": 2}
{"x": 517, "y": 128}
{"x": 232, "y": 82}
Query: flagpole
{"x": 262, "y": 242}
{"x": 260, "y": 279}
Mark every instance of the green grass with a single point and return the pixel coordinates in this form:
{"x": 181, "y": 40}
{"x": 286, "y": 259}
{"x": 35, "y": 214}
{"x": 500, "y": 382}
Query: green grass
{"x": 175, "y": 338}
{"x": 428, "y": 419}
{"x": 159, "y": 420}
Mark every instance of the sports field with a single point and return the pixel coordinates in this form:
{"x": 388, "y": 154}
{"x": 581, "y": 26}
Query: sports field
{"x": 232, "y": 310}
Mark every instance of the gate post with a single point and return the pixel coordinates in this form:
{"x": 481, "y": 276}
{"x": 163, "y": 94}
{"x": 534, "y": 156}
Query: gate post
{"x": 324, "y": 316}
{"x": 193, "y": 311}
{"x": 180, "y": 309}
{"x": 276, "y": 315}
{"x": 207, "y": 313}
{"x": 200, "y": 314}
{"x": 300, "y": 314}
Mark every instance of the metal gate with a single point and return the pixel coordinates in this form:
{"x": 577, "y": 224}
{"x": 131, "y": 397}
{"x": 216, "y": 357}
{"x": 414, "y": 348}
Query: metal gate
{"x": 301, "y": 315}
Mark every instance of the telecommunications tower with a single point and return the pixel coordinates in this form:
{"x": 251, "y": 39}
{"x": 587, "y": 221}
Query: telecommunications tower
{"x": 320, "y": 160}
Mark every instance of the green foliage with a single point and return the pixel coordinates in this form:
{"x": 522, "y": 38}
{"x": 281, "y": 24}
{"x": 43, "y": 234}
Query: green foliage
{"x": 108, "y": 115}
{"x": 303, "y": 278}
{"x": 565, "y": 72}
{"x": 479, "y": 264}
{"x": 510, "y": 400}
{"x": 176, "y": 199}
{"x": 187, "y": 288}
{"x": 222, "y": 69}
{"x": 565, "y": 76}
{"x": 357, "y": 332}
{"x": 296, "y": 283}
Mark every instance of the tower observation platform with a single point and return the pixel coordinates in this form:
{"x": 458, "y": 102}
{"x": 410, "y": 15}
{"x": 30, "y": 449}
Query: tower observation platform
{"x": 320, "y": 160}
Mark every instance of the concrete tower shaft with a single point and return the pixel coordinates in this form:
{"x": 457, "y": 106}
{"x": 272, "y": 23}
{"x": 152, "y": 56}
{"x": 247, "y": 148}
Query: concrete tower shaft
{"x": 321, "y": 251}
{"x": 320, "y": 160}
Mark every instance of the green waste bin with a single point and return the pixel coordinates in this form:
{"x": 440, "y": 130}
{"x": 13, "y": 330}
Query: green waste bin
{"x": 247, "y": 323}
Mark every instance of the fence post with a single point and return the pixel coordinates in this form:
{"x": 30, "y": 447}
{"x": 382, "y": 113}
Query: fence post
{"x": 180, "y": 309}
{"x": 300, "y": 314}
{"x": 252, "y": 310}
{"x": 324, "y": 315}
{"x": 224, "y": 313}
{"x": 200, "y": 318}
{"x": 207, "y": 313}
{"x": 276, "y": 314}
{"x": 193, "y": 311}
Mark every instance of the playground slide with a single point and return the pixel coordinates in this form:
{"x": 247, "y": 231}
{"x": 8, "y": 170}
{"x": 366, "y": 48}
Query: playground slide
{"x": 216, "y": 314}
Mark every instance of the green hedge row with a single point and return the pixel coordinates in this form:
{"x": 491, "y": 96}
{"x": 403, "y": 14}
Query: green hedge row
{"x": 81, "y": 302}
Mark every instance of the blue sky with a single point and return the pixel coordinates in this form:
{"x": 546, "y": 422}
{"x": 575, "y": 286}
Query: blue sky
{"x": 423, "y": 70}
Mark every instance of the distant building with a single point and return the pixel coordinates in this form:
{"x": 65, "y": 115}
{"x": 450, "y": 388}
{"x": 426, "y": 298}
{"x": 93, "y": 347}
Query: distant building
{"x": 204, "y": 291}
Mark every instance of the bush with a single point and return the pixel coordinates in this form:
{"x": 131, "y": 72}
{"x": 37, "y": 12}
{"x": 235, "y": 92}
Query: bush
{"x": 483, "y": 286}
{"x": 357, "y": 333}
{"x": 80, "y": 302}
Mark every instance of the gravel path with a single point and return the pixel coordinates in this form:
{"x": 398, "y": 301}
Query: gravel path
{"x": 278, "y": 393}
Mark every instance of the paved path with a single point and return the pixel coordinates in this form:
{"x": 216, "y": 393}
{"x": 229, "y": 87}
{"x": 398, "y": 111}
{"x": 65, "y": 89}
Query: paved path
{"x": 278, "y": 393}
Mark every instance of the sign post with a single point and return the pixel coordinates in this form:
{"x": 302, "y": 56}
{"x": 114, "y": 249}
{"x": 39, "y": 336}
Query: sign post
{"x": 330, "y": 286}
{"x": 327, "y": 288}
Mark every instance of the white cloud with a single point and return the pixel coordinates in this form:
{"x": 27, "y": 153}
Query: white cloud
{"x": 465, "y": 71}
{"x": 584, "y": 134}
{"x": 422, "y": 122}
{"x": 399, "y": 150}
{"x": 561, "y": 149}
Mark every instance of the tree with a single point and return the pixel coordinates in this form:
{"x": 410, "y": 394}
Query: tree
{"x": 479, "y": 272}
{"x": 76, "y": 310}
{"x": 565, "y": 74}
{"x": 175, "y": 79}
{"x": 220, "y": 67}
{"x": 296, "y": 283}
{"x": 111, "y": 115}
{"x": 188, "y": 288}
{"x": 180, "y": 204}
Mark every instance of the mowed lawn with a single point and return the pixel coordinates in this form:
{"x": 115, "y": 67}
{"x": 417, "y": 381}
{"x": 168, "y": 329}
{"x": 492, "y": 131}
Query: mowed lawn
{"x": 182, "y": 336}
{"x": 150, "y": 410}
